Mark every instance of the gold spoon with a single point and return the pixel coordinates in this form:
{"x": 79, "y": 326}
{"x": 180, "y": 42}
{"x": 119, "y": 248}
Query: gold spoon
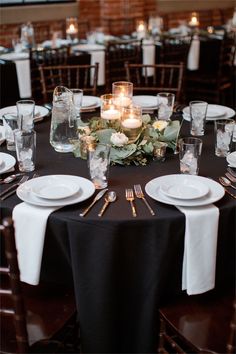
{"x": 109, "y": 198}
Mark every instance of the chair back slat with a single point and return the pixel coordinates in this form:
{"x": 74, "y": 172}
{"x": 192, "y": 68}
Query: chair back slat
{"x": 17, "y": 310}
{"x": 71, "y": 76}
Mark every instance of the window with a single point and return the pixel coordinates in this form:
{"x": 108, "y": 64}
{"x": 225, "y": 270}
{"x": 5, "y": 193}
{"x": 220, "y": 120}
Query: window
{"x": 31, "y": 2}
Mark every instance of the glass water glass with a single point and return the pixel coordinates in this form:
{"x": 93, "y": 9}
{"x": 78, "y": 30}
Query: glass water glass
{"x": 198, "y": 111}
{"x": 99, "y": 161}
{"x": 165, "y": 104}
{"x": 190, "y": 150}
{"x": 77, "y": 101}
{"x": 25, "y": 141}
{"x": 223, "y": 136}
{"x": 11, "y": 124}
{"x": 25, "y": 112}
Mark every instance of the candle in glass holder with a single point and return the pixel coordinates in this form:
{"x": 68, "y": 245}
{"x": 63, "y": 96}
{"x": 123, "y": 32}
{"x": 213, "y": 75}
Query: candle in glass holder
{"x": 71, "y": 28}
{"x": 194, "y": 20}
{"x": 124, "y": 92}
{"x": 141, "y": 30}
{"x": 131, "y": 122}
{"x": 110, "y": 112}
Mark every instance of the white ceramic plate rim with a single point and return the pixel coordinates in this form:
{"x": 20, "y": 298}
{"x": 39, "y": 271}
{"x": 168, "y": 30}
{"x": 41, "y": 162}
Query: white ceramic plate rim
{"x": 216, "y": 192}
{"x": 9, "y": 162}
{"x": 61, "y": 182}
{"x": 190, "y": 184}
{"x": 40, "y": 111}
{"x": 86, "y": 190}
{"x": 229, "y": 113}
{"x": 95, "y": 105}
{"x": 88, "y": 101}
{"x": 231, "y": 159}
{"x": 142, "y": 100}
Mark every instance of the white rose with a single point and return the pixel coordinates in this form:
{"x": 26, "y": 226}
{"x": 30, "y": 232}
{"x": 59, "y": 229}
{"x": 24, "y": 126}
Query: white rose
{"x": 119, "y": 139}
{"x": 160, "y": 124}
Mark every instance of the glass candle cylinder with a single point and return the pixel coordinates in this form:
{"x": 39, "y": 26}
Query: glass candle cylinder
{"x": 72, "y": 28}
{"x": 124, "y": 92}
{"x": 110, "y": 112}
{"x": 131, "y": 122}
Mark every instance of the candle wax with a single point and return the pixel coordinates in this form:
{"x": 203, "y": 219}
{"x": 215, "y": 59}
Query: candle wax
{"x": 131, "y": 123}
{"x": 110, "y": 114}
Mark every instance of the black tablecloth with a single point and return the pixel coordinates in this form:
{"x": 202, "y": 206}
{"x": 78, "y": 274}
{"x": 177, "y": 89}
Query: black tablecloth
{"x": 124, "y": 268}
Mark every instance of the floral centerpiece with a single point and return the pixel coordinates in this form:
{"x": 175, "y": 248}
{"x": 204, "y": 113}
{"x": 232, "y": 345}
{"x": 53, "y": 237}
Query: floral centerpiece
{"x": 125, "y": 152}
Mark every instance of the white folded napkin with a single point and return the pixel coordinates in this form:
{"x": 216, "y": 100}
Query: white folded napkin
{"x": 194, "y": 53}
{"x": 199, "y": 263}
{"x": 23, "y": 77}
{"x": 148, "y": 49}
{"x": 30, "y": 225}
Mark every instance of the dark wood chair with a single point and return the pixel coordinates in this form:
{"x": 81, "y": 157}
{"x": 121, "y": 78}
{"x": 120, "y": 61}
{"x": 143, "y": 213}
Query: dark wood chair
{"x": 203, "y": 323}
{"x": 46, "y": 56}
{"x": 214, "y": 81}
{"x": 32, "y": 317}
{"x": 174, "y": 49}
{"x": 117, "y": 53}
{"x": 71, "y": 76}
{"x": 151, "y": 79}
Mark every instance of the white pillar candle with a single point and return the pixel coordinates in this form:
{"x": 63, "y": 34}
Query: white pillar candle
{"x": 110, "y": 114}
{"x": 123, "y": 101}
{"x": 131, "y": 123}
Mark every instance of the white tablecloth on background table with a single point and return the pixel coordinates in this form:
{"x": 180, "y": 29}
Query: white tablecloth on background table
{"x": 22, "y": 63}
{"x": 97, "y": 52}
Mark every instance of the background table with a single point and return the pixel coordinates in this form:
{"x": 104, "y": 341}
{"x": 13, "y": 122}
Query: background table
{"x": 124, "y": 268}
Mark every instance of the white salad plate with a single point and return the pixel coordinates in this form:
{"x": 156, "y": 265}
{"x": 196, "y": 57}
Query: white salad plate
{"x": 26, "y": 191}
{"x": 184, "y": 187}
{"x": 6, "y": 162}
{"x": 39, "y": 112}
{"x": 214, "y": 112}
{"x": 145, "y": 101}
{"x": 154, "y": 189}
{"x": 231, "y": 159}
{"x": 90, "y": 102}
{"x": 55, "y": 187}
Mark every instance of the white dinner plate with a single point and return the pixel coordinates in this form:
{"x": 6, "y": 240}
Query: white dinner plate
{"x": 145, "y": 101}
{"x": 231, "y": 159}
{"x": 39, "y": 112}
{"x": 184, "y": 187}
{"x": 86, "y": 190}
{"x": 90, "y": 102}
{"x": 2, "y": 134}
{"x": 55, "y": 187}
{"x": 216, "y": 192}
{"x": 6, "y": 162}
{"x": 215, "y": 111}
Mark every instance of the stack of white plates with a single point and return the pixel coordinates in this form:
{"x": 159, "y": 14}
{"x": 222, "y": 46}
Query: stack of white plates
{"x": 90, "y": 103}
{"x": 55, "y": 190}
{"x": 214, "y": 111}
{"x": 184, "y": 190}
{"x": 146, "y": 102}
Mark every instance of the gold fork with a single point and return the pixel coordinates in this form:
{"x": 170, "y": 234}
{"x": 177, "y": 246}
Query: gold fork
{"x": 139, "y": 194}
{"x": 129, "y": 194}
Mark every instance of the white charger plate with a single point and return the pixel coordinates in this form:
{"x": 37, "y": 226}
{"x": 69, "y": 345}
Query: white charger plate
{"x": 39, "y": 112}
{"x": 7, "y": 162}
{"x": 184, "y": 187}
{"x": 216, "y": 192}
{"x": 90, "y": 102}
{"x": 145, "y": 101}
{"x": 231, "y": 159}
{"x": 24, "y": 192}
{"x": 55, "y": 187}
{"x": 223, "y": 112}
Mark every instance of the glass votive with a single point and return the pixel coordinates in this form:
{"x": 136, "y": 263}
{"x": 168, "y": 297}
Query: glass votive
{"x": 72, "y": 28}
{"x": 159, "y": 151}
{"x": 110, "y": 111}
{"x": 124, "y": 92}
{"x": 131, "y": 122}
{"x": 165, "y": 104}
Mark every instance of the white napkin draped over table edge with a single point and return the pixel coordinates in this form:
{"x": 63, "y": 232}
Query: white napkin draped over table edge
{"x": 194, "y": 54}
{"x": 30, "y": 239}
{"x": 200, "y": 247}
{"x": 148, "y": 50}
{"x": 23, "y": 77}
